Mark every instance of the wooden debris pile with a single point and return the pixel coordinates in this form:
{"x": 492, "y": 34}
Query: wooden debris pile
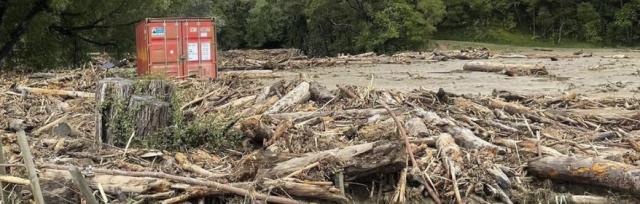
{"x": 302, "y": 142}
{"x": 294, "y": 59}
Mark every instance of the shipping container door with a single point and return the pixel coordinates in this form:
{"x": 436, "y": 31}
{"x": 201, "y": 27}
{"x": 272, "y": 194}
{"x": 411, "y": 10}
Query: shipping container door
{"x": 199, "y": 48}
{"x": 164, "y": 47}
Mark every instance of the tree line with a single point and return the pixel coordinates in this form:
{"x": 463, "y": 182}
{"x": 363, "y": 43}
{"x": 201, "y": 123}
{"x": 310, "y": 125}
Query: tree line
{"x": 52, "y": 33}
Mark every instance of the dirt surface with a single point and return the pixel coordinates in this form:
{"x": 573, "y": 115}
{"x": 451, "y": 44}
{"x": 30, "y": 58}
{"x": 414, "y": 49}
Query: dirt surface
{"x": 597, "y": 76}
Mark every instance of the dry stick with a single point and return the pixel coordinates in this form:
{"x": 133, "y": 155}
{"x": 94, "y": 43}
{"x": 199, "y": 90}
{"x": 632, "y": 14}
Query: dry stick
{"x": 15, "y": 180}
{"x": 310, "y": 166}
{"x": 3, "y": 171}
{"x": 403, "y": 134}
{"x": 82, "y": 184}
{"x": 50, "y": 125}
{"x": 456, "y": 190}
{"x": 197, "y": 100}
{"x": 39, "y": 91}
{"x": 31, "y": 167}
{"x": 187, "y": 180}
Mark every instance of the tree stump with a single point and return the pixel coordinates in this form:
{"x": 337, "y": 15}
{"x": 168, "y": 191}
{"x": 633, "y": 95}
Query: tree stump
{"x": 125, "y": 106}
{"x": 150, "y": 115}
{"x": 112, "y": 96}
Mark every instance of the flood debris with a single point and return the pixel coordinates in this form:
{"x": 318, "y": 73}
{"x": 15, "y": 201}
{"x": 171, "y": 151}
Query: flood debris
{"x": 298, "y": 141}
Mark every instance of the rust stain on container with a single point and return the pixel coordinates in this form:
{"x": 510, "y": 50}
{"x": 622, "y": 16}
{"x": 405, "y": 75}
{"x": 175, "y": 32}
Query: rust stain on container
{"x": 177, "y": 47}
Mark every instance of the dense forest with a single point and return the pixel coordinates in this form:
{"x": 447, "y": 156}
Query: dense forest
{"x": 51, "y": 33}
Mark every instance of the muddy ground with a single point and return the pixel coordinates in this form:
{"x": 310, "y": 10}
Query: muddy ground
{"x": 594, "y": 77}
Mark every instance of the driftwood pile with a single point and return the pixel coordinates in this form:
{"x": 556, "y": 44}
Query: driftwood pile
{"x": 277, "y": 59}
{"x": 303, "y": 142}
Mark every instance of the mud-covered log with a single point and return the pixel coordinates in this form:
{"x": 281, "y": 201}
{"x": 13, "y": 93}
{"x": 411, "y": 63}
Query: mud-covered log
{"x": 319, "y": 92}
{"x": 298, "y": 95}
{"x": 150, "y": 115}
{"x": 112, "y": 98}
{"x": 302, "y": 116}
{"x": 508, "y": 69}
{"x": 588, "y": 170}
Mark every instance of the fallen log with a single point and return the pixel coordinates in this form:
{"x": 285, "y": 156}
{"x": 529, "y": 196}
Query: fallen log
{"x": 185, "y": 164}
{"x": 298, "y": 95}
{"x": 237, "y": 103}
{"x": 588, "y": 170}
{"x": 508, "y": 69}
{"x": 110, "y": 183}
{"x": 465, "y": 137}
{"x": 223, "y": 187}
{"x": 328, "y": 193}
{"x": 302, "y": 116}
{"x": 359, "y": 160}
{"x": 53, "y": 92}
{"x": 416, "y": 128}
{"x": 528, "y": 145}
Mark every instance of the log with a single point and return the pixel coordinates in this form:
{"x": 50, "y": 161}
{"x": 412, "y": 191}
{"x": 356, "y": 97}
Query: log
{"x": 237, "y": 103}
{"x": 269, "y": 90}
{"x": 588, "y": 170}
{"x": 27, "y": 158}
{"x": 82, "y": 184}
{"x": 465, "y": 137}
{"x": 259, "y": 107}
{"x": 112, "y": 98}
{"x": 360, "y": 160}
{"x": 508, "y": 69}
{"x": 448, "y": 148}
{"x": 528, "y": 145}
{"x": 199, "y": 99}
{"x": 223, "y": 187}
{"x": 150, "y": 115}
{"x": 53, "y": 92}
{"x": 188, "y": 166}
{"x": 298, "y": 95}
{"x": 328, "y": 193}
{"x": 319, "y": 92}
{"x": 112, "y": 184}
{"x": 14, "y": 180}
{"x": 416, "y": 128}
{"x": 302, "y": 116}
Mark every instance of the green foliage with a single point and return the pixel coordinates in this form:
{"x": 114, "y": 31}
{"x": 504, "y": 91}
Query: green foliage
{"x": 55, "y": 33}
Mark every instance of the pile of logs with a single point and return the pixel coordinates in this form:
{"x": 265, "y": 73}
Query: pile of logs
{"x": 294, "y": 59}
{"x": 303, "y": 142}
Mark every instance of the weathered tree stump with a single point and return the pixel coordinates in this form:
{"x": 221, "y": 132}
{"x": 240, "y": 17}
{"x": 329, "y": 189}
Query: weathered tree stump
{"x": 125, "y": 106}
{"x": 112, "y": 97}
{"x": 150, "y": 114}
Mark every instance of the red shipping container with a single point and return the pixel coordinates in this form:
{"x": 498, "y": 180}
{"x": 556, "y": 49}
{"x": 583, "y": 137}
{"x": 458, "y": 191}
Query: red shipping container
{"x": 177, "y": 47}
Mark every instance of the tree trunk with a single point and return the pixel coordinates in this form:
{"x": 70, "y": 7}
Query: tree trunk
{"x": 112, "y": 98}
{"x": 508, "y": 69}
{"x": 588, "y": 170}
{"x": 298, "y": 95}
{"x": 21, "y": 28}
{"x": 150, "y": 115}
{"x": 360, "y": 160}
